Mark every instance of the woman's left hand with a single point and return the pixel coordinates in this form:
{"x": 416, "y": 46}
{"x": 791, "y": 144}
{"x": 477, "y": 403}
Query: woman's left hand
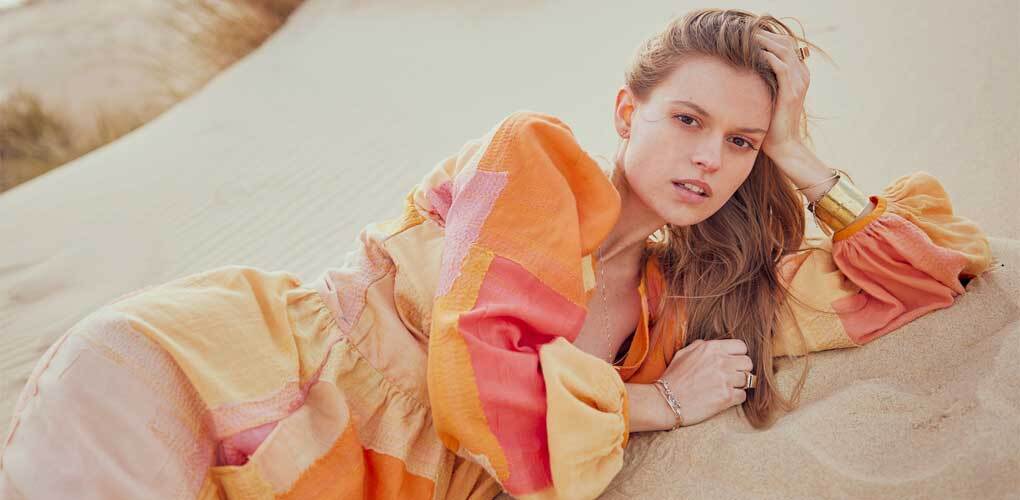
{"x": 794, "y": 78}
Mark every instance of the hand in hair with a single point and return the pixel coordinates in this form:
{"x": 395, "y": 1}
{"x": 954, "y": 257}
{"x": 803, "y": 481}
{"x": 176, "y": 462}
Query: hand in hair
{"x": 794, "y": 77}
{"x": 707, "y": 377}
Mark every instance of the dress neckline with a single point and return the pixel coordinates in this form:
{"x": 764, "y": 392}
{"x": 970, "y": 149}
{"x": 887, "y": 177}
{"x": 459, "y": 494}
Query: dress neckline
{"x": 637, "y": 351}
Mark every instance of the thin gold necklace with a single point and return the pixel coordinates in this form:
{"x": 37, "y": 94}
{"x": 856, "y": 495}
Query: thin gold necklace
{"x": 605, "y": 306}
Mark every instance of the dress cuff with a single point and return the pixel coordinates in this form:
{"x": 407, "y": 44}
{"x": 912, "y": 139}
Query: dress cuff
{"x": 586, "y": 420}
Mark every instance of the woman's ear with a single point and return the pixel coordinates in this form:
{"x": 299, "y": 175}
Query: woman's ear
{"x": 623, "y": 110}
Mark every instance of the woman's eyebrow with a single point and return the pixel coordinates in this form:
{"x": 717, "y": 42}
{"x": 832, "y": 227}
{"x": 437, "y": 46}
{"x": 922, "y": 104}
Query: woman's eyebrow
{"x": 699, "y": 109}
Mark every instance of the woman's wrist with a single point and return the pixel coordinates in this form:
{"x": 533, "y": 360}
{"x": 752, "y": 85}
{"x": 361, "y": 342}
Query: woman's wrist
{"x": 649, "y": 411}
{"x": 811, "y": 175}
{"x": 835, "y": 200}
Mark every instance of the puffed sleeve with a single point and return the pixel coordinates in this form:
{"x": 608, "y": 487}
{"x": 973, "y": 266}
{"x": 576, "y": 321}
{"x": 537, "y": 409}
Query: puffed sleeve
{"x": 522, "y": 207}
{"x": 911, "y": 255}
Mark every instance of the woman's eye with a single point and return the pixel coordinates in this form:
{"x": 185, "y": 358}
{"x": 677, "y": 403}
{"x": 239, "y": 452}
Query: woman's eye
{"x": 685, "y": 118}
{"x": 742, "y": 142}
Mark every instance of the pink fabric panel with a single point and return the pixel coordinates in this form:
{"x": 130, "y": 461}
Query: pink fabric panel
{"x": 902, "y": 274}
{"x": 440, "y": 198}
{"x": 474, "y": 203}
{"x": 106, "y": 414}
{"x": 514, "y": 315}
{"x": 236, "y": 449}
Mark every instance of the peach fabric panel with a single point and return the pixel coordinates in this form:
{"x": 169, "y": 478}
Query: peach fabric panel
{"x": 921, "y": 199}
{"x": 902, "y": 275}
{"x": 387, "y": 419}
{"x": 416, "y": 253}
{"x": 386, "y": 343}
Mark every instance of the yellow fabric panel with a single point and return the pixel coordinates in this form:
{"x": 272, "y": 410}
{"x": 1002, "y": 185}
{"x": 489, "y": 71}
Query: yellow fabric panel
{"x": 210, "y": 490}
{"x": 811, "y": 324}
{"x": 586, "y": 420}
{"x": 242, "y": 482}
{"x": 250, "y": 313}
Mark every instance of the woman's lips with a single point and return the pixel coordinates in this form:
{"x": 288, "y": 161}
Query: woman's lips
{"x": 705, "y": 188}
{"x": 687, "y": 195}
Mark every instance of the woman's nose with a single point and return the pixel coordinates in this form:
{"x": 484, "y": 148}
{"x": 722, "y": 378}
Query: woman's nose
{"x": 708, "y": 156}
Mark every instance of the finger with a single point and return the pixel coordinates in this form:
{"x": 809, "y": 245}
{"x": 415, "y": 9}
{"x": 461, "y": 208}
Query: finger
{"x": 782, "y": 72}
{"x": 689, "y": 347}
{"x": 793, "y": 66}
{"x": 781, "y": 68}
{"x": 738, "y": 379}
{"x": 782, "y": 49}
{"x": 732, "y": 346}
{"x": 737, "y": 396}
{"x": 793, "y": 81}
{"x": 740, "y": 363}
{"x": 781, "y": 38}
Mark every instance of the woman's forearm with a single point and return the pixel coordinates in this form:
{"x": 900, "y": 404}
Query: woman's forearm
{"x": 648, "y": 410}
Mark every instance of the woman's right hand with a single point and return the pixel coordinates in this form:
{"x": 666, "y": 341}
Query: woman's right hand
{"x": 707, "y": 377}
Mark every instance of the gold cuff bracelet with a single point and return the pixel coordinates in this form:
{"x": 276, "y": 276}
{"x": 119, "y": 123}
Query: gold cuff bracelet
{"x": 840, "y": 205}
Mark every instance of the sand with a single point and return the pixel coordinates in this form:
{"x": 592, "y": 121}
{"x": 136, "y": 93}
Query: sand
{"x": 283, "y": 157}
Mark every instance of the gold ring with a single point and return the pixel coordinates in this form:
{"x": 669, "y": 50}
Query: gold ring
{"x": 750, "y": 383}
{"x": 803, "y": 53}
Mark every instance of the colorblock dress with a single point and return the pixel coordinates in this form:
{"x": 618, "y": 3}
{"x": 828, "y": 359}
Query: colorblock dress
{"x": 437, "y": 362}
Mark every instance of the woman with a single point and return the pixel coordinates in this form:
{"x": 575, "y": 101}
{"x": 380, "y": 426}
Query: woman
{"x": 521, "y": 318}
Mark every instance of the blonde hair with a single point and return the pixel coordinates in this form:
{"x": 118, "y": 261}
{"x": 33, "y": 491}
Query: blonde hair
{"x": 721, "y": 275}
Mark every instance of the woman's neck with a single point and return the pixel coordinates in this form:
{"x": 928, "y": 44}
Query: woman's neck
{"x": 625, "y": 243}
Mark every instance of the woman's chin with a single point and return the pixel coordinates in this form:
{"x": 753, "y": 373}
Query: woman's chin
{"x": 688, "y": 216}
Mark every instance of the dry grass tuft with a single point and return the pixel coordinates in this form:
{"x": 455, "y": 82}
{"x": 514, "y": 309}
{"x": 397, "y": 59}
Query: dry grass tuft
{"x": 32, "y": 140}
{"x": 196, "y": 40}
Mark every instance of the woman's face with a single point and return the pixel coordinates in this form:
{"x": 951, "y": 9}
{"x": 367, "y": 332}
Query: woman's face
{"x": 713, "y": 137}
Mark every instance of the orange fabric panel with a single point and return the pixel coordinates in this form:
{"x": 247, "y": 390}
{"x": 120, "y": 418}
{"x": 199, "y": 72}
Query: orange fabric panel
{"x": 387, "y": 478}
{"x": 340, "y": 473}
{"x": 346, "y": 470}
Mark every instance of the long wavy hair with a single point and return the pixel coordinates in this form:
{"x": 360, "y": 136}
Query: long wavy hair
{"x": 722, "y": 275}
